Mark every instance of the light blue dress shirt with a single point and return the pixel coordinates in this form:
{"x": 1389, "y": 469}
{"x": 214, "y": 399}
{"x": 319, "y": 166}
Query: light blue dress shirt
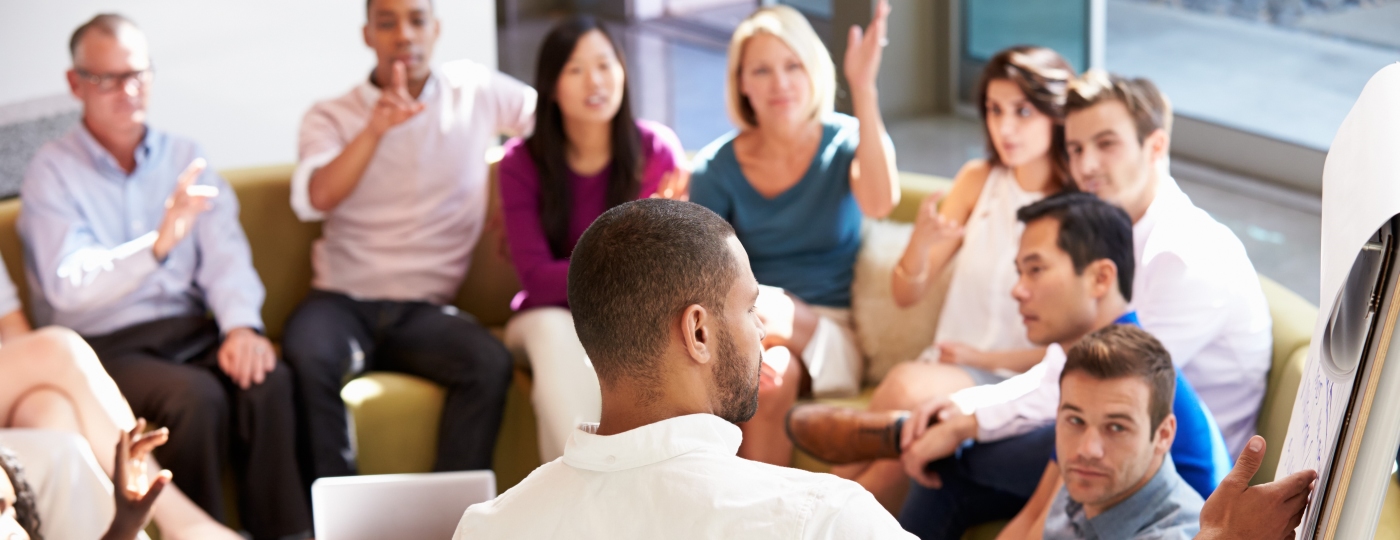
{"x": 89, "y": 227}
{"x": 1166, "y": 508}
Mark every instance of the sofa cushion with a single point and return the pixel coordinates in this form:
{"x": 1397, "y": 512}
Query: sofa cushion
{"x": 1294, "y": 318}
{"x": 888, "y": 334}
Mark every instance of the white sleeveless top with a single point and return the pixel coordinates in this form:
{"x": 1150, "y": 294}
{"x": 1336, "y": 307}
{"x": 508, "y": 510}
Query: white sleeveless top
{"x": 978, "y": 309}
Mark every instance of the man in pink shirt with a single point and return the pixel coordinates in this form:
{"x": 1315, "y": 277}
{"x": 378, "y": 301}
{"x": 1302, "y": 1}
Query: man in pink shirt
{"x": 396, "y": 170}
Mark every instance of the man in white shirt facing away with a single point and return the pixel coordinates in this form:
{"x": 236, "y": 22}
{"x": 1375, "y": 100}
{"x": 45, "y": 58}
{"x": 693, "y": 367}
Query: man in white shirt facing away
{"x": 663, "y": 301}
{"x": 396, "y": 169}
{"x": 1195, "y": 289}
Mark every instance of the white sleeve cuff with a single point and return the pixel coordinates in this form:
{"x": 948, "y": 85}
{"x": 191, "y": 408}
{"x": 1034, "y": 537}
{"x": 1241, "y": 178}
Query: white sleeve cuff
{"x": 301, "y": 185}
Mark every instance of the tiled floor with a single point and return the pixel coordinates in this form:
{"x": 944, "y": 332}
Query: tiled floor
{"x": 677, "y": 77}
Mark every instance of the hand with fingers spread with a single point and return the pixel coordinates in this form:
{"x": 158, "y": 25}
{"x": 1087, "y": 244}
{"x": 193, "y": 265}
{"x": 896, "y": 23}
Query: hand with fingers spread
{"x": 931, "y": 227}
{"x": 395, "y": 105}
{"x": 135, "y": 495}
{"x": 181, "y": 209}
{"x": 246, "y": 357}
{"x": 1238, "y": 511}
{"x": 865, "y": 48}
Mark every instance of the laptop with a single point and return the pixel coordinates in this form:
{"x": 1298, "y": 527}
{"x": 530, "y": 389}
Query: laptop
{"x": 426, "y": 505}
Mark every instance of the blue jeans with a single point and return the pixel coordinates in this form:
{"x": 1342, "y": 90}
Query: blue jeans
{"x": 981, "y": 483}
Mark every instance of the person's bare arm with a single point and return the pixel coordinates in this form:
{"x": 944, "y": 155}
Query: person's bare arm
{"x": 13, "y": 325}
{"x": 1029, "y": 523}
{"x": 335, "y": 181}
{"x": 1017, "y": 360}
{"x": 874, "y": 176}
{"x": 1239, "y": 511}
{"x": 937, "y": 236}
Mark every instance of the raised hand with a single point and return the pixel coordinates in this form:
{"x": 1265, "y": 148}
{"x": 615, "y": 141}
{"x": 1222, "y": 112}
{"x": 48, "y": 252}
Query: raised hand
{"x": 246, "y": 357}
{"x": 135, "y": 496}
{"x": 395, "y": 105}
{"x": 865, "y": 48}
{"x": 1237, "y": 510}
{"x": 930, "y": 227}
{"x": 184, "y": 205}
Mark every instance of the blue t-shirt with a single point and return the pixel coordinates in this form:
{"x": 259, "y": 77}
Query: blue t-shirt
{"x": 804, "y": 240}
{"x": 1199, "y": 449}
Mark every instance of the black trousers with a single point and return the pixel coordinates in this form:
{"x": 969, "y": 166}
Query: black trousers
{"x": 332, "y": 338}
{"x": 168, "y": 370}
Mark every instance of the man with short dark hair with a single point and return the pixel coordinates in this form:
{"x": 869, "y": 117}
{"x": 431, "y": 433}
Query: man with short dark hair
{"x": 663, "y": 301}
{"x": 134, "y": 254}
{"x": 1076, "y": 267}
{"x": 1112, "y": 477}
{"x": 396, "y": 168}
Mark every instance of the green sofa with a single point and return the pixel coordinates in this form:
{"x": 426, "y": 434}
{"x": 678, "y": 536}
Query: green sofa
{"x": 396, "y": 416}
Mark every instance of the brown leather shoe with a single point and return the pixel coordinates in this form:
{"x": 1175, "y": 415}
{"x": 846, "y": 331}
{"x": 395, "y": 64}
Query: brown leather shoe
{"x": 840, "y": 435}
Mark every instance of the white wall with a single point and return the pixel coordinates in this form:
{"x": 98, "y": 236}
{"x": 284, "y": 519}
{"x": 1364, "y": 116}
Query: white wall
{"x": 236, "y": 75}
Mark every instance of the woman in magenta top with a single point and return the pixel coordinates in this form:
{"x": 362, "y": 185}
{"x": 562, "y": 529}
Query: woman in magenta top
{"x": 587, "y": 154}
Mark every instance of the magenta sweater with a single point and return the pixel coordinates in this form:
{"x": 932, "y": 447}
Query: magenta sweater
{"x": 543, "y": 277}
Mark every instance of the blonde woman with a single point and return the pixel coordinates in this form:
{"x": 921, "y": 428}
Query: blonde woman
{"x": 795, "y": 180}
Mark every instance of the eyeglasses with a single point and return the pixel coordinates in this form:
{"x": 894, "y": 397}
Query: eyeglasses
{"x": 108, "y": 82}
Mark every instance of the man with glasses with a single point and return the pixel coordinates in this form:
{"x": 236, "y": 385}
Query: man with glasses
{"x": 132, "y": 243}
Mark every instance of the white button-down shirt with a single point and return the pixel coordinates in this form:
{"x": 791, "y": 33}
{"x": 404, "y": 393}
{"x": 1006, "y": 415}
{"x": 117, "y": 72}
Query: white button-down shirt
{"x": 408, "y": 229}
{"x": 1195, "y": 290}
{"x": 676, "y": 479}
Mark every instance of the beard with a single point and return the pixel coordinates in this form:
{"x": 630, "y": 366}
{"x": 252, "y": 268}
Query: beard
{"x": 736, "y": 383}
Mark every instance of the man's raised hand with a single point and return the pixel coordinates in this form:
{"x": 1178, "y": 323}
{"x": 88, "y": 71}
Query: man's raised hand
{"x": 395, "y": 105}
{"x": 184, "y": 205}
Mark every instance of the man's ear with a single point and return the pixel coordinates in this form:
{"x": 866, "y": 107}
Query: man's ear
{"x": 696, "y": 335}
{"x": 1158, "y": 144}
{"x": 1166, "y": 434}
{"x": 1105, "y": 275}
{"x": 365, "y": 33}
{"x": 72, "y": 75}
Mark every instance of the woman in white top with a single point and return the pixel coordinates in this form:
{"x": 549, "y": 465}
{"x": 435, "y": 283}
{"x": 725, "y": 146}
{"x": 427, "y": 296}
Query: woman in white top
{"x": 980, "y": 338}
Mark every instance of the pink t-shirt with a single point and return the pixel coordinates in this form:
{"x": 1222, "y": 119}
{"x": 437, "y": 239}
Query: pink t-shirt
{"x": 544, "y": 277}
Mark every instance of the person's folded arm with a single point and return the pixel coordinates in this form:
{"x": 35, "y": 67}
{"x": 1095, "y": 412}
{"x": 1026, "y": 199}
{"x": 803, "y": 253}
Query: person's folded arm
{"x": 75, "y": 271}
{"x": 327, "y": 154}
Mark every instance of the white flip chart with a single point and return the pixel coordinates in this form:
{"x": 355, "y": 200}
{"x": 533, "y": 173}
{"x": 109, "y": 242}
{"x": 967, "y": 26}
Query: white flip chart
{"x": 1361, "y": 192}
